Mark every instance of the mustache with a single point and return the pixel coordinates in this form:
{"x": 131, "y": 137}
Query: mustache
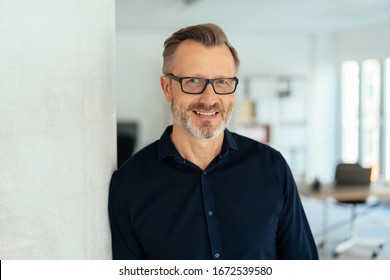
{"x": 204, "y": 107}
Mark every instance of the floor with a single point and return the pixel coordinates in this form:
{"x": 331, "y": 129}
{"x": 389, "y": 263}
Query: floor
{"x": 372, "y": 222}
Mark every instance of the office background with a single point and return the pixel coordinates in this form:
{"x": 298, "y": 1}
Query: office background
{"x": 70, "y": 69}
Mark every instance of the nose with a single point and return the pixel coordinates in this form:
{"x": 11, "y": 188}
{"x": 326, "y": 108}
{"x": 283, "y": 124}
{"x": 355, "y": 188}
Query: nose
{"x": 209, "y": 95}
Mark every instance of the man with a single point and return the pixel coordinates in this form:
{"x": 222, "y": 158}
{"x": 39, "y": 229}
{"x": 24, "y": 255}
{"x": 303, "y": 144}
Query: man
{"x": 200, "y": 191}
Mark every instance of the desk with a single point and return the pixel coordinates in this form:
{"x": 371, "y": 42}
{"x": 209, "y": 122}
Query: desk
{"x": 350, "y": 193}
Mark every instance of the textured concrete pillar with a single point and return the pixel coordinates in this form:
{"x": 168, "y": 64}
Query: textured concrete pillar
{"x": 57, "y": 128}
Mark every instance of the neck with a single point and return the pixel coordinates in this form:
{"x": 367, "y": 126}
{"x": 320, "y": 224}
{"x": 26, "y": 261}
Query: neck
{"x": 197, "y": 150}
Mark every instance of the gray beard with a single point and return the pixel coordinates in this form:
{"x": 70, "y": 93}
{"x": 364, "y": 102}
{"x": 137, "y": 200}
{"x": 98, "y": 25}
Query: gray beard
{"x": 206, "y": 130}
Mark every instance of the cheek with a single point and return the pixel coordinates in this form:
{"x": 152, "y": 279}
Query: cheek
{"x": 180, "y": 102}
{"x": 228, "y": 103}
{"x": 183, "y": 99}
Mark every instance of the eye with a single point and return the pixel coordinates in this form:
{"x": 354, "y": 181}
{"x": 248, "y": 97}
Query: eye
{"x": 193, "y": 81}
{"x": 222, "y": 82}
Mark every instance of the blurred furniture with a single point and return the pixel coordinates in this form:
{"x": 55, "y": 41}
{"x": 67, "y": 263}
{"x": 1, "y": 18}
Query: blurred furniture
{"x": 355, "y": 177}
{"x": 327, "y": 193}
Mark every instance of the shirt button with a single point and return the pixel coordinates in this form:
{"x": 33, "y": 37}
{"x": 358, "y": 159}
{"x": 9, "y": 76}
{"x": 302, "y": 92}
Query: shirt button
{"x": 205, "y": 173}
{"x": 217, "y": 255}
{"x": 210, "y": 213}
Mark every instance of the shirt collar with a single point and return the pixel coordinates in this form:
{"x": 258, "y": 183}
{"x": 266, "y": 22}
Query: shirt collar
{"x": 167, "y": 149}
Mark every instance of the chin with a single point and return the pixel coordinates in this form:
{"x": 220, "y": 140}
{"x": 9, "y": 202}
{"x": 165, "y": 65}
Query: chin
{"x": 206, "y": 132}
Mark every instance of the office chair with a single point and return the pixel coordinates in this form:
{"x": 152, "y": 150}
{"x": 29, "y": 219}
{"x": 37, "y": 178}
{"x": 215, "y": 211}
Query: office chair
{"x": 354, "y": 176}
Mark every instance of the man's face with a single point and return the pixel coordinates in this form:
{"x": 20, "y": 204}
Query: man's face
{"x": 200, "y": 115}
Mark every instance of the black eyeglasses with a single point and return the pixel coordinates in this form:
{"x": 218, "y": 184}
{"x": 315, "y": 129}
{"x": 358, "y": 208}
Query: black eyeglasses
{"x": 194, "y": 85}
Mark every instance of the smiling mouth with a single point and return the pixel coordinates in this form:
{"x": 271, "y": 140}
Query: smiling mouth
{"x": 205, "y": 113}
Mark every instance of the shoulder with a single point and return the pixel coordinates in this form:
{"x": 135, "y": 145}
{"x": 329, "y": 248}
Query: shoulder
{"x": 252, "y": 147}
{"x": 149, "y": 152}
{"x": 136, "y": 165}
{"x": 259, "y": 156}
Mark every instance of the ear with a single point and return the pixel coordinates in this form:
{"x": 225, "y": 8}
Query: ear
{"x": 166, "y": 87}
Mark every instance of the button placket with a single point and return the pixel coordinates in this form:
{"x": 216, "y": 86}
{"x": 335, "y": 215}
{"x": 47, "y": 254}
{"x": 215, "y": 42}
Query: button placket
{"x": 211, "y": 218}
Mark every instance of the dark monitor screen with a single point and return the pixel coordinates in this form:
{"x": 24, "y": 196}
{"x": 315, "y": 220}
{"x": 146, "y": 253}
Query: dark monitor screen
{"x": 126, "y": 140}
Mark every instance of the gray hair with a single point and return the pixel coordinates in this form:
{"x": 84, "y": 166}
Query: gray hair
{"x": 208, "y": 35}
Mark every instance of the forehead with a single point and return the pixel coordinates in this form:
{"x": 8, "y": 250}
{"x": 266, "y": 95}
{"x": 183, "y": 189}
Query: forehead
{"x": 192, "y": 58}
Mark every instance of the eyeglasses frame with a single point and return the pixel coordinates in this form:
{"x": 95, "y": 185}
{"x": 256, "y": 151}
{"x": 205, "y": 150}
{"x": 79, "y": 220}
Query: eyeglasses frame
{"x": 208, "y": 81}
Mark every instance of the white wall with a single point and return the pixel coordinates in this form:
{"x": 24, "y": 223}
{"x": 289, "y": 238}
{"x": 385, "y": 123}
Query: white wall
{"x": 323, "y": 110}
{"x": 364, "y": 43}
{"x": 273, "y": 53}
{"x": 57, "y": 128}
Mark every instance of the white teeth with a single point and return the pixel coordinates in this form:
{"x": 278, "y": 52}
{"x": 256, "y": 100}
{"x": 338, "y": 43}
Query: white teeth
{"x": 205, "y": 114}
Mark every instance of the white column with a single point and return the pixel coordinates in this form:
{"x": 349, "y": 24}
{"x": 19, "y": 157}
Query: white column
{"x": 57, "y": 128}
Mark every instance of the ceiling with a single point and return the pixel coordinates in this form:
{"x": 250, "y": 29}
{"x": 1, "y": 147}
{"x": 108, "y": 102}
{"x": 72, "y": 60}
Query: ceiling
{"x": 251, "y": 15}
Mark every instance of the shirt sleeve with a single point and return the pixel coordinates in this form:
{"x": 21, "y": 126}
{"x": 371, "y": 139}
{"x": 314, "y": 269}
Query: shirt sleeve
{"x": 125, "y": 246}
{"x": 294, "y": 238}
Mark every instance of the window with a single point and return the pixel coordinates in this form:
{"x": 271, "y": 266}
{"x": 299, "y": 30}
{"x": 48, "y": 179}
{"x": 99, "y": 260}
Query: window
{"x": 370, "y": 116}
{"x": 387, "y": 119}
{"x": 365, "y": 115}
{"x": 350, "y": 112}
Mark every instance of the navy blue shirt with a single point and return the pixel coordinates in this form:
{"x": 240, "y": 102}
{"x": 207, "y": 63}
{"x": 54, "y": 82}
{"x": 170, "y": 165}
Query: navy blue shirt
{"x": 245, "y": 205}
